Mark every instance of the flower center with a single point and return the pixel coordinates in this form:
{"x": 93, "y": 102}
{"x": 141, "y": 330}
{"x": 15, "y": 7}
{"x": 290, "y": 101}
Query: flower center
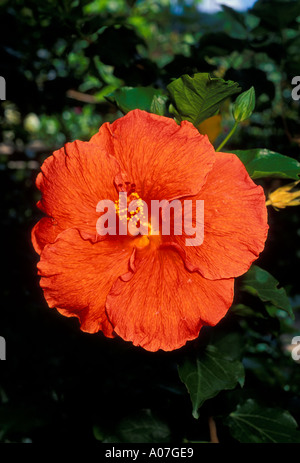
{"x": 133, "y": 214}
{"x": 131, "y": 208}
{"x": 133, "y": 217}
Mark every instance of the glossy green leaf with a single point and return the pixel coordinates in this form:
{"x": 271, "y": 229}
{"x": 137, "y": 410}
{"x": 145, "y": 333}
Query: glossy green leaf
{"x": 199, "y": 97}
{"x": 264, "y": 163}
{"x": 213, "y": 371}
{"x": 251, "y": 423}
{"x": 261, "y": 283}
{"x": 129, "y": 98}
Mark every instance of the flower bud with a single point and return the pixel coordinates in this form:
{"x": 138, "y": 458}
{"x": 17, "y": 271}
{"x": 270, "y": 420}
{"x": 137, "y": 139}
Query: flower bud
{"x": 244, "y": 105}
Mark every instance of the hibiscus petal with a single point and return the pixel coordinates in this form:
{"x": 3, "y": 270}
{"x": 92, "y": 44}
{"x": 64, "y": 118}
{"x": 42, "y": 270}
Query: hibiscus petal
{"x": 72, "y": 181}
{"x": 163, "y": 159}
{"x": 77, "y": 275}
{"x": 235, "y": 222}
{"x": 44, "y": 232}
{"x": 164, "y": 305}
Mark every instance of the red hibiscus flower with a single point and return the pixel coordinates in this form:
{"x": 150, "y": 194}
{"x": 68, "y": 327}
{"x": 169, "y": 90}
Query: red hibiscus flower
{"x": 152, "y": 290}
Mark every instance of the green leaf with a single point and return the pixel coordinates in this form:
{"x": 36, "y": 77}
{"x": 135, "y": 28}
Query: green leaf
{"x": 245, "y": 311}
{"x": 139, "y": 427}
{"x": 102, "y": 434}
{"x": 264, "y": 163}
{"x": 259, "y": 282}
{"x": 213, "y": 371}
{"x": 235, "y": 15}
{"x": 199, "y": 97}
{"x": 143, "y": 427}
{"x": 244, "y": 105}
{"x": 250, "y": 423}
{"x": 272, "y": 12}
{"x": 158, "y": 105}
{"x": 129, "y": 98}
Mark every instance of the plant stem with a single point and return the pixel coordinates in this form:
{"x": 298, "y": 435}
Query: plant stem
{"x": 213, "y": 431}
{"x": 228, "y": 136}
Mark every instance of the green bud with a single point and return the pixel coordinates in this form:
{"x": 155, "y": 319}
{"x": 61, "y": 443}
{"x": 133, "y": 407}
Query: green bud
{"x": 244, "y": 105}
